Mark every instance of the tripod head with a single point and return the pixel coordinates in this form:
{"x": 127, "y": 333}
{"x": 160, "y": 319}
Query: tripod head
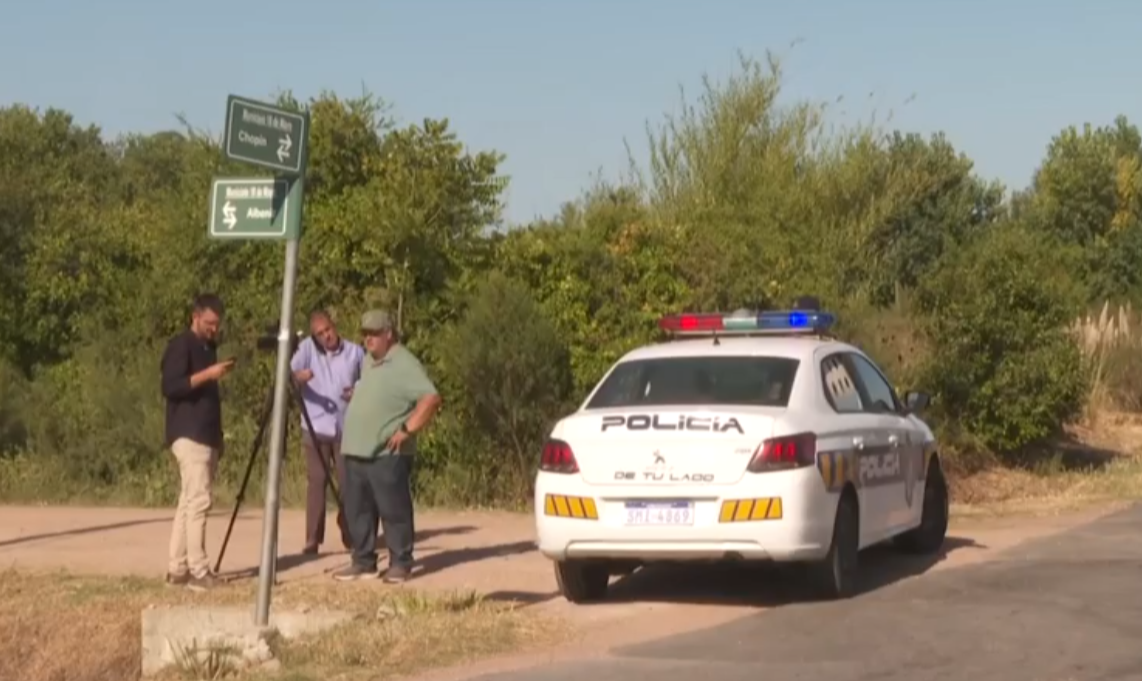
{"x": 268, "y": 341}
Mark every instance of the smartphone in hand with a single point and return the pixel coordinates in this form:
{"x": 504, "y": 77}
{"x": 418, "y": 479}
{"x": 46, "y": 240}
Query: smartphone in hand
{"x": 228, "y": 364}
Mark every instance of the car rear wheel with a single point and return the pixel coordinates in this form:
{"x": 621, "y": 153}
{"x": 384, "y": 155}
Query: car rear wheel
{"x": 835, "y": 577}
{"x": 582, "y": 582}
{"x": 929, "y": 536}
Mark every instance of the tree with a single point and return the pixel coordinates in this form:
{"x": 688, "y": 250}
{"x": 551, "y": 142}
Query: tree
{"x": 1003, "y": 364}
{"x": 508, "y": 369}
{"x": 938, "y": 205}
{"x": 1088, "y": 192}
{"x": 54, "y": 177}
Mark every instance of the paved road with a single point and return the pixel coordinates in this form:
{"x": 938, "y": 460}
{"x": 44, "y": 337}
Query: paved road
{"x": 1063, "y": 608}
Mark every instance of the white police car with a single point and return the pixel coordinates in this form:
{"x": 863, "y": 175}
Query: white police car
{"x": 749, "y": 436}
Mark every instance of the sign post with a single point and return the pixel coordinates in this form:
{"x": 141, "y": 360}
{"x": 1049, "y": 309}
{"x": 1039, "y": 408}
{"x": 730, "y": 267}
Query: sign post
{"x": 275, "y": 139}
{"x": 268, "y": 566}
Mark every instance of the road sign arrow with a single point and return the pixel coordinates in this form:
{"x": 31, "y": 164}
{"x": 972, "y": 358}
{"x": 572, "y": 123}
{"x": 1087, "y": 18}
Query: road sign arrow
{"x": 284, "y": 145}
{"x": 252, "y": 207}
{"x": 266, "y": 136}
{"x": 228, "y": 216}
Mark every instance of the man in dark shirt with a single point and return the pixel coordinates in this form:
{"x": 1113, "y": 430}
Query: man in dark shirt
{"x": 190, "y": 375}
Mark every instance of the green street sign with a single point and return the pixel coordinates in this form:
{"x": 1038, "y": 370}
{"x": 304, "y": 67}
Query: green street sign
{"x": 250, "y": 208}
{"x": 265, "y": 135}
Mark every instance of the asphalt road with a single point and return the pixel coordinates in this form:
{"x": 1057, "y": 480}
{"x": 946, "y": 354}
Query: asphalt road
{"x": 1063, "y": 608}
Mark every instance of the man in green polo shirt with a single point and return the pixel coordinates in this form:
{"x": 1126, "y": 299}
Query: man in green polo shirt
{"x": 391, "y": 403}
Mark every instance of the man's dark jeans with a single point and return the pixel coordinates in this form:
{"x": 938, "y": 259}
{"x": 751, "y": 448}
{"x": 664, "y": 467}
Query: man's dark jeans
{"x": 378, "y": 489}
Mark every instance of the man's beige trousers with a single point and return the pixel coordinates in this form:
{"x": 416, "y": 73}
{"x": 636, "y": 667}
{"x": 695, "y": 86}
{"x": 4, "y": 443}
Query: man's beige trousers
{"x": 197, "y": 465}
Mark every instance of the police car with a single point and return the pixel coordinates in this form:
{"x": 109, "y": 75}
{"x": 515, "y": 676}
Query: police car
{"x": 747, "y": 436}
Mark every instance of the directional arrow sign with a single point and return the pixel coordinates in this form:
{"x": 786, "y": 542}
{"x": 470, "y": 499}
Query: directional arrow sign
{"x": 284, "y": 145}
{"x": 249, "y": 208}
{"x": 228, "y": 215}
{"x": 265, "y": 135}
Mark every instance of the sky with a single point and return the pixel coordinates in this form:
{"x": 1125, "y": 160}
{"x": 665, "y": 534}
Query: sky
{"x": 559, "y": 86}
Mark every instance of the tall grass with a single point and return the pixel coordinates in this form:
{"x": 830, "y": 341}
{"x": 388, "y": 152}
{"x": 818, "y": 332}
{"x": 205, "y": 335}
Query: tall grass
{"x": 1111, "y": 342}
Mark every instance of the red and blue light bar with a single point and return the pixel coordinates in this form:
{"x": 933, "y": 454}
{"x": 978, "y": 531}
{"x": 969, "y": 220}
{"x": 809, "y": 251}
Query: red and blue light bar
{"x": 791, "y": 321}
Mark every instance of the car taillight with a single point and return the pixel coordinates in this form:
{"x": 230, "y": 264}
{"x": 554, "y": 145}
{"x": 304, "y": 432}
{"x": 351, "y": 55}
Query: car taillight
{"x": 558, "y": 458}
{"x": 785, "y": 452}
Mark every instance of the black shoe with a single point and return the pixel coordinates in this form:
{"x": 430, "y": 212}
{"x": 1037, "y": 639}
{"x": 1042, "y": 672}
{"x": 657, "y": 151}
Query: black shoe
{"x": 397, "y": 574}
{"x": 178, "y": 579}
{"x": 206, "y": 582}
{"x": 352, "y": 573}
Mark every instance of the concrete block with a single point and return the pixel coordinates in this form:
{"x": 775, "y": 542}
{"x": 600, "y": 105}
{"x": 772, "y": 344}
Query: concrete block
{"x": 170, "y": 632}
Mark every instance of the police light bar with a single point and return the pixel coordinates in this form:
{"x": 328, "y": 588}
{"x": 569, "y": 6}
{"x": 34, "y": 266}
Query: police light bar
{"x": 780, "y": 322}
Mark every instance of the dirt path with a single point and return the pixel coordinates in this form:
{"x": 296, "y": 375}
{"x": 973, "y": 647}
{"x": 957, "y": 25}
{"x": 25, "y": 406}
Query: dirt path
{"x": 453, "y": 549}
{"x": 487, "y": 551}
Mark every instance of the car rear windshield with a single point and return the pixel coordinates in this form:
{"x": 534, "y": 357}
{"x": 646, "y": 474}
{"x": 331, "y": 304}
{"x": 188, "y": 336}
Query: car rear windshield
{"x": 683, "y": 381}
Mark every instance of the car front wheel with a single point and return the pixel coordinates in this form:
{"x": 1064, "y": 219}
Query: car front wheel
{"x": 929, "y": 536}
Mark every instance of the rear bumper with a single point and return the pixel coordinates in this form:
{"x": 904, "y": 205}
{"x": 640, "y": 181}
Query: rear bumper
{"x": 683, "y": 550}
{"x": 801, "y": 531}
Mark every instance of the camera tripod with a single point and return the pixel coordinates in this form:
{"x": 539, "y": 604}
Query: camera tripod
{"x": 263, "y": 425}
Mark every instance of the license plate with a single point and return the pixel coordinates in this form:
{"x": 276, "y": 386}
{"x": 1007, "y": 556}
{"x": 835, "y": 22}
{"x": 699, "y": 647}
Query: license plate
{"x": 659, "y": 513}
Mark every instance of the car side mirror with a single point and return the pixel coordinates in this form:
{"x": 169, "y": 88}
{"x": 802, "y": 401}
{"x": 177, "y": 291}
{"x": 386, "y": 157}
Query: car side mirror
{"x": 916, "y": 402}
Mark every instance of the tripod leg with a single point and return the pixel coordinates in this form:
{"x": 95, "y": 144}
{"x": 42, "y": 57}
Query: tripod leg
{"x": 321, "y": 454}
{"x": 342, "y": 525}
{"x": 263, "y": 423}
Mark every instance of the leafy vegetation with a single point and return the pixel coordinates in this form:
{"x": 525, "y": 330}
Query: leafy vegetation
{"x": 954, "y": 285}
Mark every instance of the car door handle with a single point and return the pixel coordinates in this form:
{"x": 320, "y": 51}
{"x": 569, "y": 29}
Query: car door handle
{"x": 893, "y": 441}
{"x": 858, "y": 443}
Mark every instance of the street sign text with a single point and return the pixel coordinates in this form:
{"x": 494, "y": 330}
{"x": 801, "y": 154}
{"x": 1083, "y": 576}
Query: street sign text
{"x": 264, "y": 135}
{"x": 249, "y": 208}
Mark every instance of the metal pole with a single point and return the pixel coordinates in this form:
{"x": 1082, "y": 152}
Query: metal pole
{"x": 277, "y": 433}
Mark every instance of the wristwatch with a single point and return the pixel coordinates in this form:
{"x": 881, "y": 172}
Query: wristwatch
{"x": 404, "y": 429}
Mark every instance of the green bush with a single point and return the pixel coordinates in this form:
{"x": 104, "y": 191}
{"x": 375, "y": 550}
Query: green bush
{"x": 94, "y": 430}
{"x": 1002, "y": 364}
{"x": 508, "y": 378}
{"x": 13, "y": 393}
{"x": 891, "y": 337}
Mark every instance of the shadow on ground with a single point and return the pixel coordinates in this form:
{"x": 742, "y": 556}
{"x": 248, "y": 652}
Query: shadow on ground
{"x": 82, "y": 530}
{"x": 1066, "y": 454}
{"x": 748, "y": 584}
{"x": 436, "y": 562}
{"x": 523, "y": 597}
{"x": 449, "y": 559}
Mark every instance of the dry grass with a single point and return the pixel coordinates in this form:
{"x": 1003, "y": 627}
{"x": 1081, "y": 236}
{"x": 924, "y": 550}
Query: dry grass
{"x": 1007, "y": 490}
{"x": 1095, "y": 334}
{"x": 61, "y": 627}
{"x": 1111, "y": 343}
{"x": 1097, "y": 465}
